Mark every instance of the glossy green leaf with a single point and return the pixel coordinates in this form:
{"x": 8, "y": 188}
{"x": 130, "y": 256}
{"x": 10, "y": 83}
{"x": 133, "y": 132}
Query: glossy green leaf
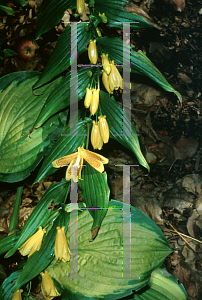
{"x": 95, "y": 193}
{"x": 67, "y": 143}
{"x": 60, "y": 97}
{"x": 19, "y": 109}
{"x": 115, "y": 116}
{"x": 39, "y": 260}
{"x": 7, "y": 286}
{"x": 7, "y": 10}
{"x": 8, "y": 242}
{"x": 51, "y": 13}
{"x": 57, "y": 193}
{"x": 140, "y": 63}
{"x": 100, "y": 261}
{"x": 116, "y": 14}
{"x": 162, "y": 286}
{"x": 60, "y": 58}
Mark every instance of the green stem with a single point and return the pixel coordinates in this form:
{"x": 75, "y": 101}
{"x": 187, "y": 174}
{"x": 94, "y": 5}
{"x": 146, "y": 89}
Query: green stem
{"x": 16, "y": 208}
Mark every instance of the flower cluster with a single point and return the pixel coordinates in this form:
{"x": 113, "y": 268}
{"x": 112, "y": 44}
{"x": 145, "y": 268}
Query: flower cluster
{"x": 99, "y": 133}
{"x": 111, "y": 77}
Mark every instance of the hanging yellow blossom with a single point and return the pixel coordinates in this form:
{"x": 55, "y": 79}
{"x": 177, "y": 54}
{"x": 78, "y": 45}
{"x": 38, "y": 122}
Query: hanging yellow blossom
{"x": 96, "y": 139}
{"x": 105, "y": 80}
{"x": 104, "y": 128}
{"x": 62, "y": 251}
{"x": 115, "y": 79}
{"x": 33, "y": 244}
{"x": 47, "y": 286}
{"x": 76, "y": 160}
{"x": 92, "y": 52}
{"x": 95, "y": 101}
{"x": 80, "y": 4}
{"x": 88, "y": 97}
{"x": 105, "y": 63}
{"x": 17, "y": 295}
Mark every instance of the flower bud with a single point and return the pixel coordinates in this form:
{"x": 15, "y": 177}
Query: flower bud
{"x": 105, "y": 63}
{"x": 104, "y": 128}
{"x": 80, "y": 4}
{"x": 88, "y": 97}
{"x": 47, "y": 286}
{"x": 105, "y": 80}
{"x": 96, "y": 139}
{"x": 103, "y": 17}
{"x": 95, "y": 101}
{"x": 98, "y": 32}
{"x": 113, "y": 78}
{"x": 92, "y": 52}
{"x": 17, "y": 295}
{"x": 62, "y": 251}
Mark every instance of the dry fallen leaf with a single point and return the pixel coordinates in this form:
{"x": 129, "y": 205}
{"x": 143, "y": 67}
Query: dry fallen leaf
{"x": 178, "y": 5}
{"x": 185, "y": 148}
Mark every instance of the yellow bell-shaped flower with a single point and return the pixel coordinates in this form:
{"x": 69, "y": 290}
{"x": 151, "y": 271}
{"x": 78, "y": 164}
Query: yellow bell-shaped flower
{"x": 33, "y": 244}
{"x": 96, "y": 139}
{"x": 92, "y": 52}
{"x": 88, "y": 97}
{"x": 113, "y": 78}
{"x": 104, "y": 128}
{"x": 95, "y": 101}
{"x": 80, "y": 4}
{"x": 47, "y": 286}
{"x": 17, "y": 295}
{"x": 105, "y": 63}
{"x": 105, "y": 80}
{"x": 62, "y": 251}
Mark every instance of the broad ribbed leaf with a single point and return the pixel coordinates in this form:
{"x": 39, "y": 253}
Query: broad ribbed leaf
{"x": 65, "y": 145}
{"x": 8, "y": 242}
{"x": 7, "y": 286}
{"x": 60, "y": 97}
{"x": 100, "y": 261}
{"x": 140, "y": 63}
{"x": 162, "y": 286}
{"x": 115, "y": 117}
{"x": 60, "y": 58}
{"x": 116, "y": 14}
{"x": 56, "y": 192}
{"x": 51, "y": 13}
{"x": 19, "y": 109}
{"x": 39, "y": 260}
{"x": 95, "y": 193}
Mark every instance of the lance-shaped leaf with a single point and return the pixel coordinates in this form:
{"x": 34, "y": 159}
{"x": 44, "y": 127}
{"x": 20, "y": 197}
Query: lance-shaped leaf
{"x": 6, "y": 292}
{"x": 8, "y": 242}
{"x": 39, "y": 260}
{"x": 57, "y": 193}
{"x": 117, "y": 120}
{"x": 100, "y": 261}
{"x": 140, "y": 63}
{"x": 19, "y": 108}
{"x": 60, "y": 58}
{"x": 60, "y": 97}
{"x": 116, "y": 14}
{"x": 162, "y": 286}
{"x": 95, "y": 193}
{"x": 67, "y": 144}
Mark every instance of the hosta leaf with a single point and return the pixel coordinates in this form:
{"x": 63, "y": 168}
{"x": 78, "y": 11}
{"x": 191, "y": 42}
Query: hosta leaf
{"x": 60, "y": 97}
{"x": 162, "y": 286}
{"x": 116, "y": 14}
{"x": 95, "y": 193}
{"x": 140, "y": 63}
{"x": 19, "y": 109}
{"x": 65, "y": 145}
{"x": 56, "y": 192}
{"x": 60, "y": 58}
{"x": 100, "y": 261}
{"x": 115, "y": 116}
{"x": 51, "y": 13}
{"x": 39, "y": 260}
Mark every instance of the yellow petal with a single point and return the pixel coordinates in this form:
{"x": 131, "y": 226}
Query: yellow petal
{"x": 104, "y": 128}
{"x": 64, "y": 161}
{"x": 95, "y": 160}
{"x": 62, "y": 251}
{"x": 88, "y": 97}
{"x": 105, "y": 80}
{"x": 92, "y": 52}
{"x": 47, "y": 286}
{"x": 17, "y": 295}
{"x": 113, "y": 78}
{"x": 105, "y": 63}
{"x": 95, "y": 101}
{"x": 96, "y": 139}
{"x": 80, "y": 6}
{"x": 33, "y": 244}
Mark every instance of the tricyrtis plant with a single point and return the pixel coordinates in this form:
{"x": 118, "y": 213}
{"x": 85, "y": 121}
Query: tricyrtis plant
{"x": 37, "y": 122}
